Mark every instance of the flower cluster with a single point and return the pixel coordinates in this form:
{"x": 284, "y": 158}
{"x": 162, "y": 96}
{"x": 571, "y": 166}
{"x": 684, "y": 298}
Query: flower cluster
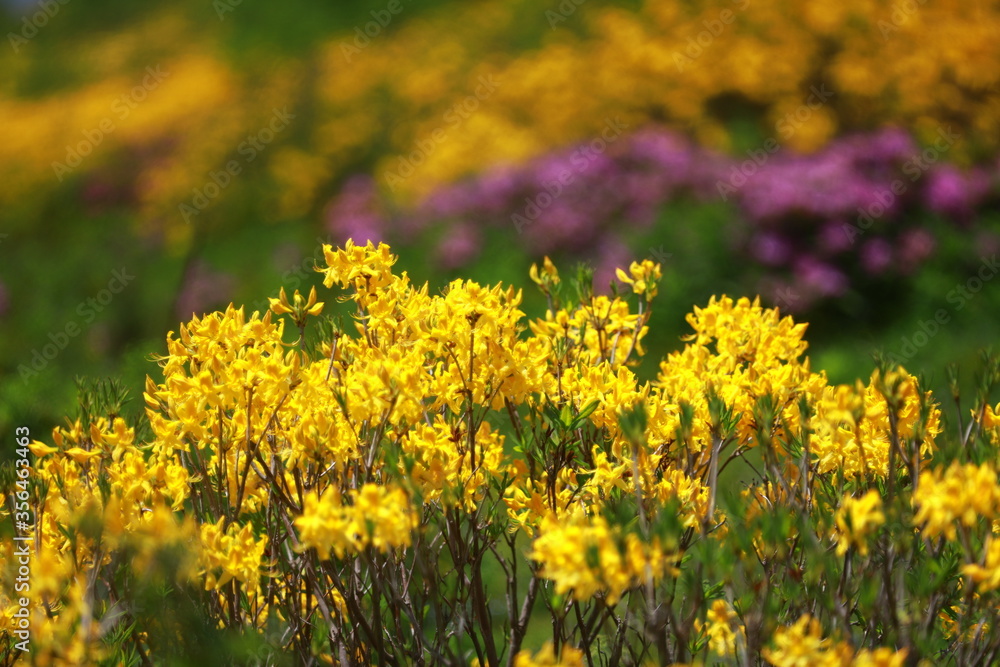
{"x": 857, "y": 518}
{"x": 359, "y": 495}
{"x": 803, "y": 644}
{"x": 378, "y": 517}
{"x": 961, "y": 495}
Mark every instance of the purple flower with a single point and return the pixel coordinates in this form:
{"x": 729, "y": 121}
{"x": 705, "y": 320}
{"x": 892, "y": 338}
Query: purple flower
{"x": 770, "y": 248}
{"x": 461, "y": 245}
{"x": 819, "y": 277}
{"x": 915, "y": 245}
{"x": 202, "y": 289}
{"x": 836, "y": 236}
{"x": 876, "y": 256}
{"x": 955, "y": 194}
{"x": 356, "y": 213}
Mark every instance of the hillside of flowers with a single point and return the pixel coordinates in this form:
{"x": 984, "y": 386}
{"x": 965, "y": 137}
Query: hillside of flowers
{"x": 800, "y": 74}
{"x": 440, "y": 477}
{"x": 426, "y": 332}
{"x": 832, "y": 160}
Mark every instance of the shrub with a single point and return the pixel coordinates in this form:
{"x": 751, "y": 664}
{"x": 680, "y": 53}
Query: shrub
{"x": 444, "y": 483}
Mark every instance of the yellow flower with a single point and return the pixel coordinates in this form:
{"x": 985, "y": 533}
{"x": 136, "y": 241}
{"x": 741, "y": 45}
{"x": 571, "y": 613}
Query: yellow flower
{"x": 585, "y": 556}
{"x": 379, "y": 516}
{"x": 365, "y": 268}
{"x": 234, "y": 552}
{"x": 880, "y": 657}
{"x": 803, "y": 645}
{"x": 642, "y": 276}
{"x": 987, "y": 575}
{"x": 301, "y": 307}
{"x": 549, "y": 275}
{"x": 857, "y": 519}
{"x": 546, "y": 657}
{"x": 81, "y": 455}
{"x": 441, "y": 462}
{"x": 963, "y": 493}
{"x": 281, "y": 306}
{"x": 723, "y": 626}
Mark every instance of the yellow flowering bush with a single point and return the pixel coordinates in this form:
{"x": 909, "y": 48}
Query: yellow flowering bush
{"x": 444, "y": 480}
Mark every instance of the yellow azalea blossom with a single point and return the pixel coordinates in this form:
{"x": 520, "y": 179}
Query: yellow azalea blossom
{"x": 548, "y": 275}
{"x": 380, "y": 517}
{"x": 531, "y": 501}
{"x": 585, "y": 556}
{"x": 81, "y": 455}
{"x": 690, "y": 493}
{"x": 803, "y": 645}
{"x": 439, "y": 461}
{"x": 987, "y": 575}
{"x": 722, "y": 626}
{"x": 301, "y": 307}
{"x": 965, "y": 494}
{"x": 642, "y": 276}
{"x": 880, "y": 657}
{"x": 40, "y": 449}
{"x": 366, "y": 268}
{"x": 546, "y": 657}
{"x": 231, "y": 553}
{"x": 602, "y": 330}
{"x": 990, "y": 421}
{"x": 857, "y": 519}
{"x": 280, "y": 306}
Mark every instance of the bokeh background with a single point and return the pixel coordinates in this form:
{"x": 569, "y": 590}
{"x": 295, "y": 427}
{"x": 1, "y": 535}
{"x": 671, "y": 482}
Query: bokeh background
{"x": 162, "y": 159}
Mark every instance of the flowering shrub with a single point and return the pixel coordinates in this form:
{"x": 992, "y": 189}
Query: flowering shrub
{"x": 445, "y": 481}
{"x": 821, "y": 224}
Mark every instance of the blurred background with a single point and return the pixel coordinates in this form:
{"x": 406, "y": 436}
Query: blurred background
{"x": 163, "y": 159}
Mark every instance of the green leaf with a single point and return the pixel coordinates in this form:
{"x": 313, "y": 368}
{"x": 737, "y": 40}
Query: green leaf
{"x": 584, "y": 413}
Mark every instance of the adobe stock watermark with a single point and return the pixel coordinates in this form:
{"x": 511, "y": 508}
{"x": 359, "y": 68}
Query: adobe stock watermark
{"x": 372, "y": 29}
{"x": 901, "y": 13}
{"x": 697, "y": 45}
{"x": 453, "y": 118}
{"x": 223, "y": 7}
{"x": 565, "y": 9}
{"x": 25, "y": 517}
{"x": 914, "y": 168}
{"x": 121, "y": 108}
{"x": 786, "y": 127}
{"x": 659, "y": 255}
{"x": 249, "y": 149}
{"x": 47, "y": 10}
{"x": 580, "y": 159}
{"x": 958, "y": 296}
{"x": 86, "y": 311}
{"x": 786, "y": 298}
